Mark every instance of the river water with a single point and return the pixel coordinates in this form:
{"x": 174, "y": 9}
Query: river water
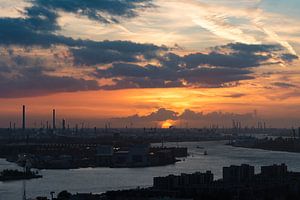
{"x": 98, "y": 180}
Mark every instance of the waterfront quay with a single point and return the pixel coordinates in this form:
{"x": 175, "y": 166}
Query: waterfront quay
{"x": 78, "y": 155}
{"x": 290, "y": 144}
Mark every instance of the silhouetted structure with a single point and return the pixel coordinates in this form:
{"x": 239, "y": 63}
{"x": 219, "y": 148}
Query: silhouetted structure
{"x": 24, "y": 118}
{"x": 75, "y": 154}
{"x": 291, "y": 144}
{"x": 239, "y": 183}
{"x": 238, "y": 173}
{"x": 63, "y": 124}
{"x": 53, "y": 119}
{"x": 173, "y": 182}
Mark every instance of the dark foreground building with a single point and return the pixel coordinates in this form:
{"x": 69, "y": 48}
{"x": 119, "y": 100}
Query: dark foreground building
{"x": 239, "y": 182}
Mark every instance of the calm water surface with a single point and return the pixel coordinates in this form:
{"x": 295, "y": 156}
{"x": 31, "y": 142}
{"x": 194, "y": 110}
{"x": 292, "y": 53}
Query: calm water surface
{"x": 99, "y": 180}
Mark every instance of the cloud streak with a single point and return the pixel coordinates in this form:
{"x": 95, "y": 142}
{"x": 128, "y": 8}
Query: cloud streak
{"x": 273, "y": 35}
{"x": 217, "y": 25}
{"x": 216, "y": 19}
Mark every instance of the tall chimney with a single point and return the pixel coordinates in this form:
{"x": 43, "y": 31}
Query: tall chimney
{"x": 24, "y": 118}
{"x": 64, "y": 124}
{"x": 53, "y": 120}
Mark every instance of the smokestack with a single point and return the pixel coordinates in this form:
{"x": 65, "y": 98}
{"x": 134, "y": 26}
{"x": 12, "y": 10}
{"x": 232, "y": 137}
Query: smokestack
{"x": 64, "y": 124}
{"x": 24, "y": 118}
{"x": 294, "y": 133}
{"x": 53, "y": 120}
{"x": 76, "y": 128}
{"x": 233, "y": 124}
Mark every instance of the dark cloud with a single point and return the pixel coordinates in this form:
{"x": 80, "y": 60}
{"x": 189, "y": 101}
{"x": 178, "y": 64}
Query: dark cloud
{"x": 34, "y": 81}
{"x": 41, "y": 19}
{"x": 138, "y": 71}
{"x": 284, "y": 85}
{"x": 222, "y": 67}
{"x": 114, "y": 51}
{"x": 214, "y": 116}
{"x": 21, "y": 32}
{"x": 289, "y": 57}
{"x": 4, "y": 68}
{"x": 173, "y": 70}
{"x": 128, "y": 83}
{"x": 145, "y": 78}
{"x": 238, "y": 55}
{"x": 235, "y": 95}
{"x": 251, "y": 48}
{"x": 163, "y": 114}
{"x": 284, "y": 95}
{"x": 85, "y": 52}
{"x": 39, "y": 25}
{"x": 232, "y": 60}
{"x": 190, "y": 115}
{"x": 215, "y": 77}
{"x": 106, "y": 11}
{"x": 135, "y": 76}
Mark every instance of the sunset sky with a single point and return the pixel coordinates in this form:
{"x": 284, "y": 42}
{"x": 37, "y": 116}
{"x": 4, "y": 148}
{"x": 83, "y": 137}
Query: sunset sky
{"x": 150, "y": 60}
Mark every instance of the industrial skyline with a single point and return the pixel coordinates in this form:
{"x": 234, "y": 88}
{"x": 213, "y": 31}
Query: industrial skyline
{"x": 161, "y": 118}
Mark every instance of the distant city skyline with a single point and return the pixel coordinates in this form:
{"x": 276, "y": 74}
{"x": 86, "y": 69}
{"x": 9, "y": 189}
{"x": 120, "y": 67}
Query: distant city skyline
{"x": 111, "y": 60}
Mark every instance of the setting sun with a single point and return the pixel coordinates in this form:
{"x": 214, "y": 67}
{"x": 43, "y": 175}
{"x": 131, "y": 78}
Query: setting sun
{"x": 167, "y": 124}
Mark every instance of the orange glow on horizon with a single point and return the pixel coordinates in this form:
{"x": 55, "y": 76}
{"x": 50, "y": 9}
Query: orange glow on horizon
{"x": 121, "y": 103}
{"x": 167, "y": 124}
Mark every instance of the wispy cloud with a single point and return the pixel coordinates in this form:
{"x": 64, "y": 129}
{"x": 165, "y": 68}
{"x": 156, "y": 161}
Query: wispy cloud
{"x": 257, "y": 20}
{"x": 217, "y": 25}
{"x": 216, "y": 19}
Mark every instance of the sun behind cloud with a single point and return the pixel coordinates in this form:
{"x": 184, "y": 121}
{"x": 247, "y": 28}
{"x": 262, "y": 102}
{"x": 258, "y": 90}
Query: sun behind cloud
{"x": 168, "y": 123}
